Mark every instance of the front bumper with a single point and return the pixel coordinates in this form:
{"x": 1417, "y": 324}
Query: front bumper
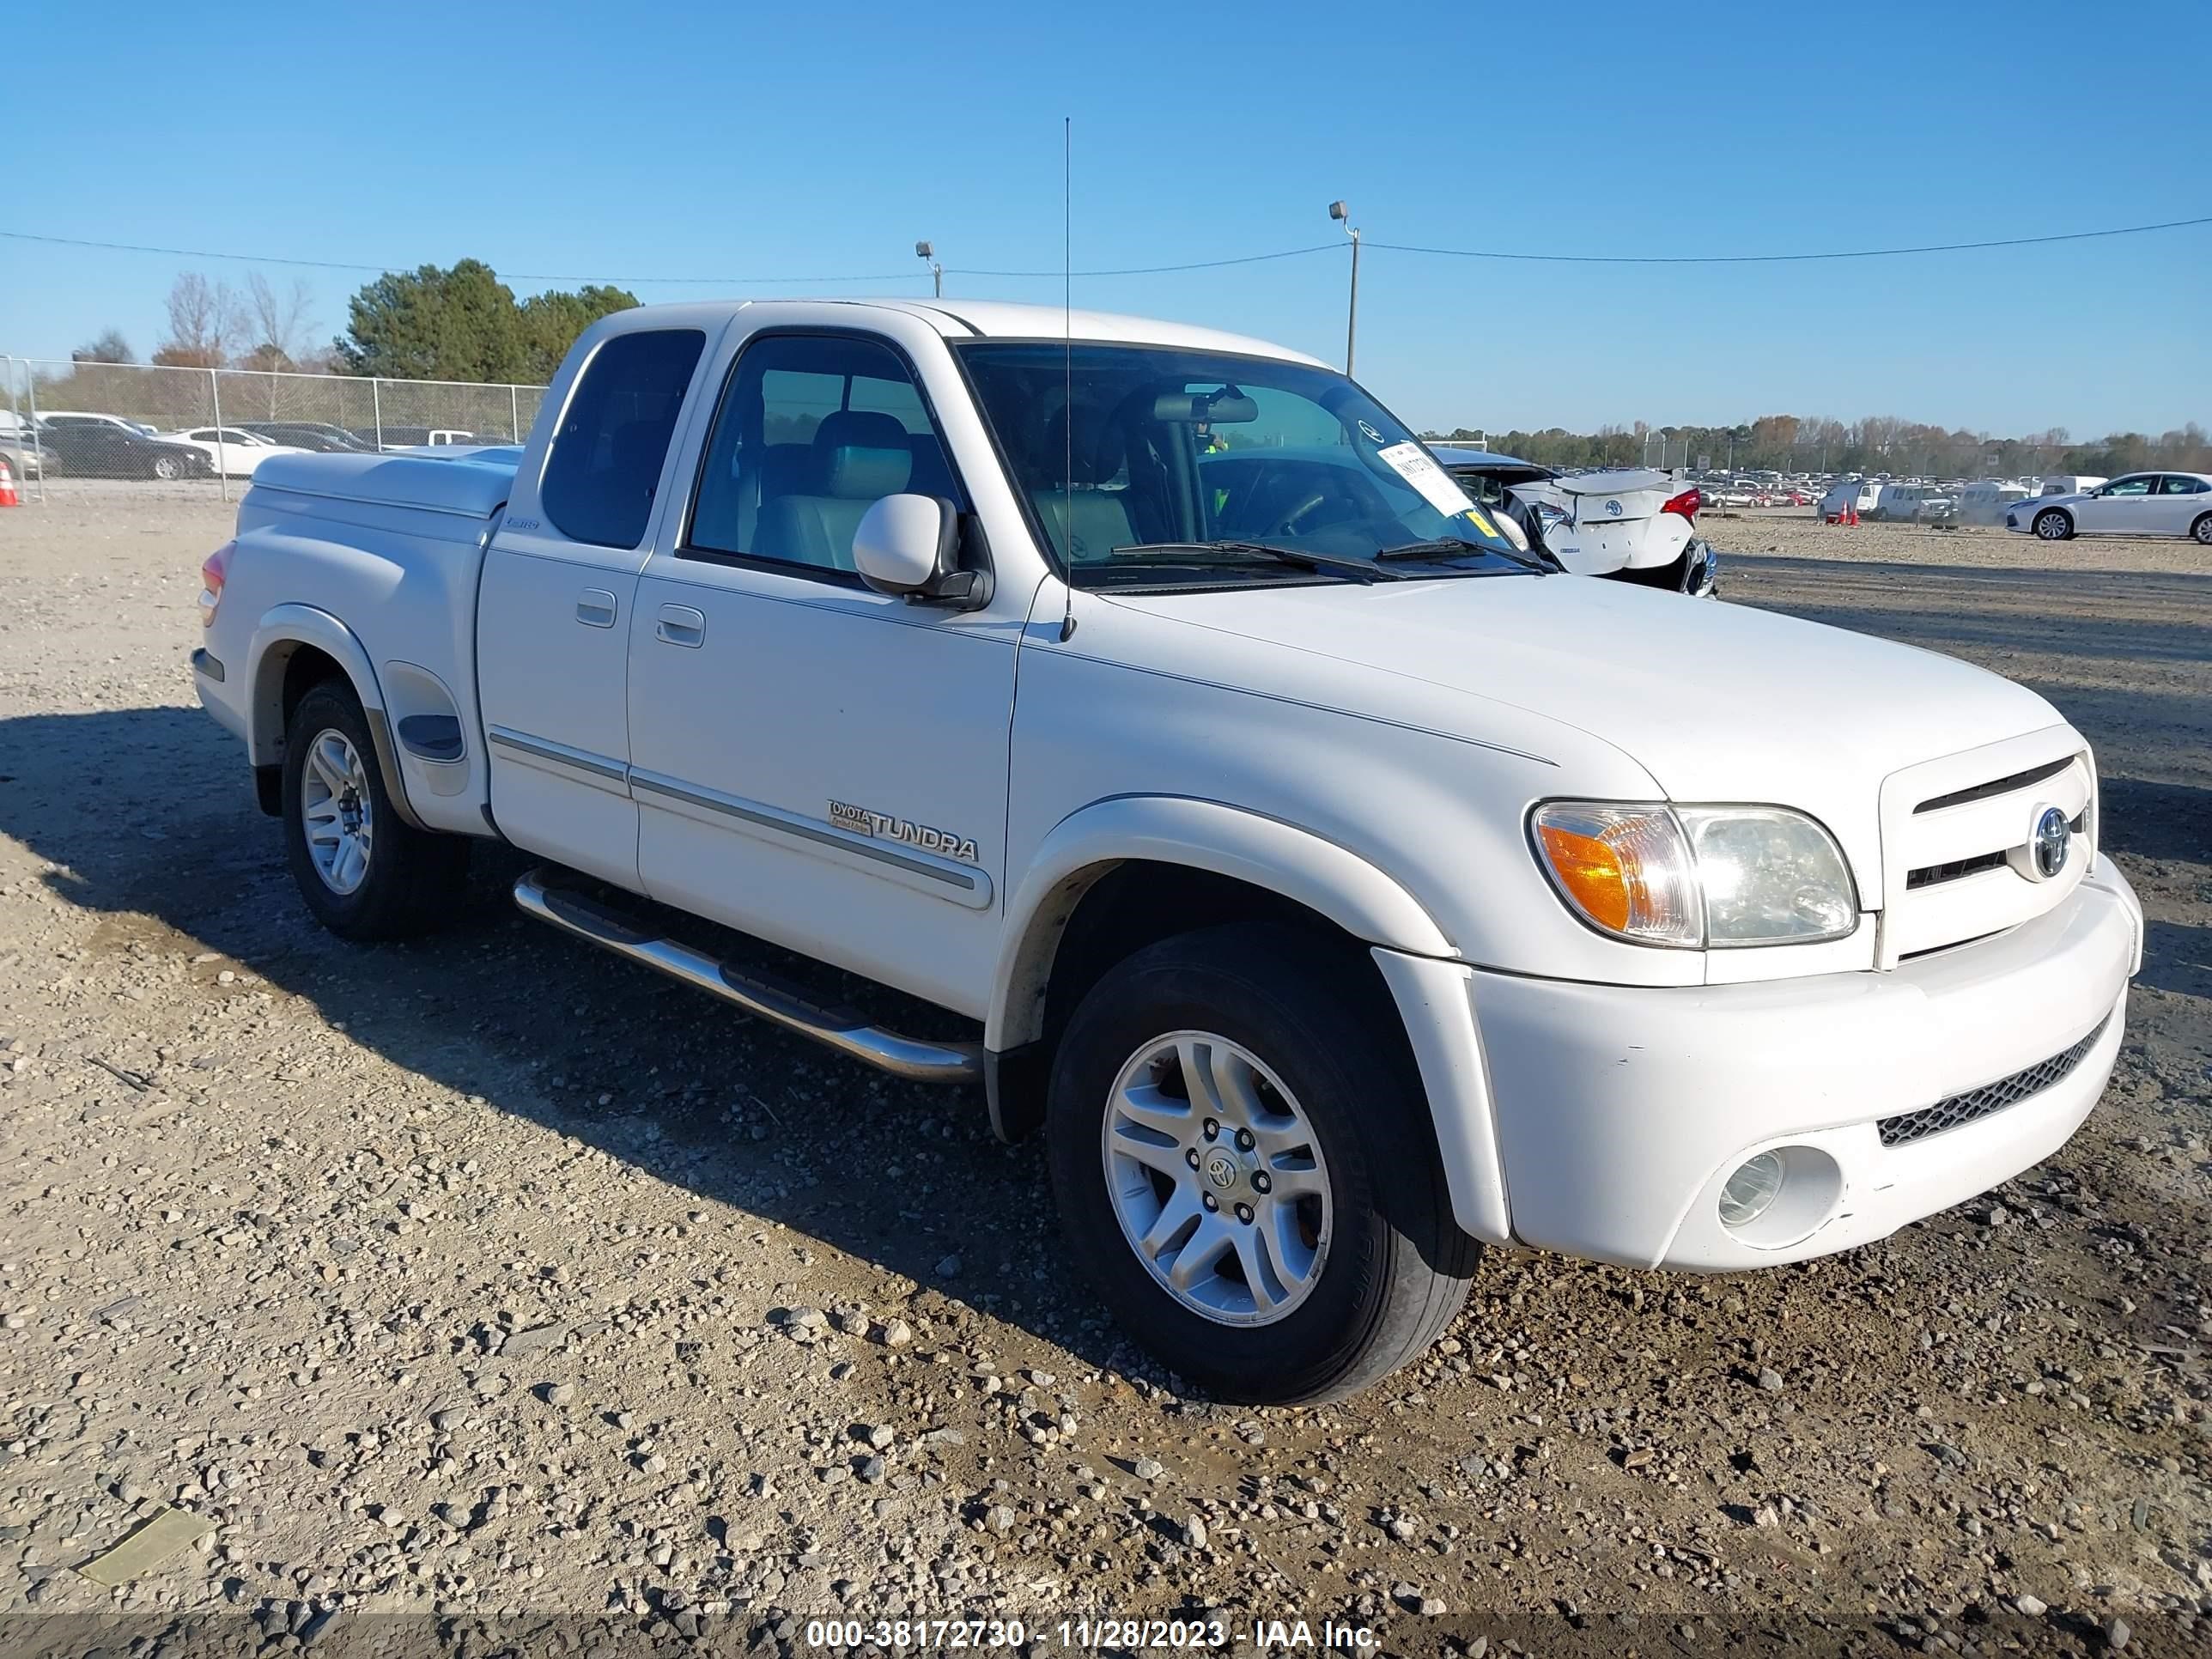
{"x": 1620, "y": 1111}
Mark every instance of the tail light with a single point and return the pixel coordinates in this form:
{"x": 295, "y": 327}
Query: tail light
{"x": 213, "y": 569}
{"x": 1686, "y": 504}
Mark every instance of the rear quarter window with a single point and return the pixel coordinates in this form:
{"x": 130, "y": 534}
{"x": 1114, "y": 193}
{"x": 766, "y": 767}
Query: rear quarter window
{"x": 605, "y": 459}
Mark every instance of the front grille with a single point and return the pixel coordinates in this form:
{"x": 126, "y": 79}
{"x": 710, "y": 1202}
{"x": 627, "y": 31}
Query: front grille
{"x": 1977, "y": 1104}
{"x": 1935, "y": 874}
{"x": 1995, "y": 787}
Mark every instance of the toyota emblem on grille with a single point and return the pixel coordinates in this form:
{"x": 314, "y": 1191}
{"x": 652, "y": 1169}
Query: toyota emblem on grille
{"x": 2049, "y": 843}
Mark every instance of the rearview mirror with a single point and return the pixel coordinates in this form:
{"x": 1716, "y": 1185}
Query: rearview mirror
{"x": 910, "y": 546}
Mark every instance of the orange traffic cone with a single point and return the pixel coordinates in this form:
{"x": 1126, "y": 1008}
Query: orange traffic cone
{"x": 8, "y": 495}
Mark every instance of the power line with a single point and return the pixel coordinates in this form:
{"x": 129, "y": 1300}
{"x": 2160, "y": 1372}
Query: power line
{"x": 725, "y": 282}
{"x": 1155, "y": 270}
{"x": 1784, "y": 259}
{"x": 514, "y": 276}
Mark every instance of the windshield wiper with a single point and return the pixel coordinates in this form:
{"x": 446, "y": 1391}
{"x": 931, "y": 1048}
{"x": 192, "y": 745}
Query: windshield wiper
{"x": 1173, "y": 553}
{"x": 1454, "y": 546}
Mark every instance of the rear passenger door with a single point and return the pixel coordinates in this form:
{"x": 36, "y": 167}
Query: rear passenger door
{"x": 815, "y": 762}
{"x": 553, "y": 610}
{"x": 2182, "y": 498}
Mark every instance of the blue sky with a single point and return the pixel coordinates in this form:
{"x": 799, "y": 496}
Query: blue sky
{"x": 729, "y": 140}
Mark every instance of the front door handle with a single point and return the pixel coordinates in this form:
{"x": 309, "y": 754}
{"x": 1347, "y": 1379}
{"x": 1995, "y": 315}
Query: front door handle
{"x": 595, "y": 608}
{"x": 680, "y": 624}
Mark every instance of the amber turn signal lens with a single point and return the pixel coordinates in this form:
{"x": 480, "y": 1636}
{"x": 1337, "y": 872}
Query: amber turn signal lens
{"x": 1590, "y": 871}
{"x": 1624, "y": 870}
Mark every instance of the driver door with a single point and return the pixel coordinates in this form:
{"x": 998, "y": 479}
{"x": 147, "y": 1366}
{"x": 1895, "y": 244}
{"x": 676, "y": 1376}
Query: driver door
{"x": 2122, "y": 507}
{"x": 814, "y": 762}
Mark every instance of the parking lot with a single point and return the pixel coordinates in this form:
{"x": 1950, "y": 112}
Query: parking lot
{"x": 489, "y": 1272}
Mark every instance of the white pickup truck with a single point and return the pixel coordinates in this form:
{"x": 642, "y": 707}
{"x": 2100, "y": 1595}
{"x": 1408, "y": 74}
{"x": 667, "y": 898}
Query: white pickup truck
{"x": 1338, "y": 888}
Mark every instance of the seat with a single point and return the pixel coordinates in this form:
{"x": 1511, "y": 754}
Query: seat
{"x": 1079, "y": 513}
{"x": 857, "y": 456}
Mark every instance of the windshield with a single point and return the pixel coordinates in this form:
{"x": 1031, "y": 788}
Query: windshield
{"x": 1204, "y": 464}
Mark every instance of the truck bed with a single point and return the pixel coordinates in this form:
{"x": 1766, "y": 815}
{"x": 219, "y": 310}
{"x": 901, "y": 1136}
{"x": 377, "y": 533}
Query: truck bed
{"x": 473, "y": 483}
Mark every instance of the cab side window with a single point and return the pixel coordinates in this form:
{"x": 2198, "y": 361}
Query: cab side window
{"x": 606, "y": 456}
{"x": 813, "y": 431}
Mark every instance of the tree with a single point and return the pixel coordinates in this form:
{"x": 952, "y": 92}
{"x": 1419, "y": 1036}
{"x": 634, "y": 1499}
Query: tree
{"x": 206, "y": 323}
{"x": 463, "y": 324}
{"x": 108, "y": 348}
{"x": 281, "y": 323}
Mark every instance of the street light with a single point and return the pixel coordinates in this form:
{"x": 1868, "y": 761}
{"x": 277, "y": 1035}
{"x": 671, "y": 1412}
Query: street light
{"x": 925, "y": 251}
{"x": 1338, "y": 211}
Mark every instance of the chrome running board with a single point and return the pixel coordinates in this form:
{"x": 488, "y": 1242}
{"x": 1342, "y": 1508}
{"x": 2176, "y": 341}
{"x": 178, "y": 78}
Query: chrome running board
{"x": 840, "y": 1028}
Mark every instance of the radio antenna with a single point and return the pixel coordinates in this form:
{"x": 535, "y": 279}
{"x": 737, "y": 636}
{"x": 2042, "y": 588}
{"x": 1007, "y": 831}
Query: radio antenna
{"x": 1067, "y": 361}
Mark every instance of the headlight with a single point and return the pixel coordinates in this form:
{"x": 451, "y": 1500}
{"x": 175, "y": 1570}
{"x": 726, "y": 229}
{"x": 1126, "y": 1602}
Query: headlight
{"x": 1718, "y": 877}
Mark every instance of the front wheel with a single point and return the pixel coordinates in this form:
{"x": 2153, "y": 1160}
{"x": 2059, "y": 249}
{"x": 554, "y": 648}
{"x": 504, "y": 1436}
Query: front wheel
{"x": 1245, "y": 1169}
{"x": 364, "y": 872}
{"x": 2201, "y": 531}
{"x": 167, "y": 468}
{"x": 2053, "y": 526}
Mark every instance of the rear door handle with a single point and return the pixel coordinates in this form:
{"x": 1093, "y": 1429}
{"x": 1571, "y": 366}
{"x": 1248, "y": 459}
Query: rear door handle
{"x": 595, "y": 608}
{"x": 680, "y": 624}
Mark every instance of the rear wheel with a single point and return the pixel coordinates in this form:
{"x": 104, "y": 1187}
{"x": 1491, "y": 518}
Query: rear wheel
{"x": 1243, "y": 1158}
{"x": 2053, "y": 526}
{"x": 1695, "y": 572}
{"x": 2201, "y": 531}
{"x": 364, "y": 873}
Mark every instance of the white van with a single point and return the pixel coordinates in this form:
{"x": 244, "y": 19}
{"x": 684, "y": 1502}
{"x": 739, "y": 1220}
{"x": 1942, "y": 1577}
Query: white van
{"x": 1984, "y": 501}
{"x": 1858, "y": 495}
{"x": 2067, "y": 484}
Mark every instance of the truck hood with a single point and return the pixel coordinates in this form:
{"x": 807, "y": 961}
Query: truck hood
{"x": 1715, "y": 701}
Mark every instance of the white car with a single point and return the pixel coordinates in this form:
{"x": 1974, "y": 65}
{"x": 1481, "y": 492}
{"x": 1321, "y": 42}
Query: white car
{"x": 232, "y": 449}
{"x": 1633, "y": 524}
{"x": 2135, "y": 504}
{"x": 1340, "y": 889}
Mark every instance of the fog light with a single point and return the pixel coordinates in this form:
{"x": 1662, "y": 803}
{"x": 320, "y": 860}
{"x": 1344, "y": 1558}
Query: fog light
{"x": 1754, "y": 1185}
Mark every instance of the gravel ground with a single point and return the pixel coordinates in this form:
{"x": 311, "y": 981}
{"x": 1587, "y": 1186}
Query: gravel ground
{"x": 488, "y": 1279}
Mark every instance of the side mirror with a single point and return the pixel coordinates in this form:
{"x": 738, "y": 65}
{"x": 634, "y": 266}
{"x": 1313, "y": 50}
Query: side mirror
{"x": 910, "y": 546}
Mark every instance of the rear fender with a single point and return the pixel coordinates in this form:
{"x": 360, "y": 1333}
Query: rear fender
{"x": 282, "y": 631}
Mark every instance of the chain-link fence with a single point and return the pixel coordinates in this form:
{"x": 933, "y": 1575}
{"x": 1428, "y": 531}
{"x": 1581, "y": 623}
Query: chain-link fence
{"x": 135, "y": 421}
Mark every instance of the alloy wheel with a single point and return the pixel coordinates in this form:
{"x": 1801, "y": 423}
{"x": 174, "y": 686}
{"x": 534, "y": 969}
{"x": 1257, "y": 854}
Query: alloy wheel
{"x": 337, "y": 812}
{"x": 1217, "y": 1179}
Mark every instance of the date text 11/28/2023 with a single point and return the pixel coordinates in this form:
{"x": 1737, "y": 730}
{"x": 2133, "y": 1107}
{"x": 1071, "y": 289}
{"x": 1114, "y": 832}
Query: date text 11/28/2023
{"x": 1081, "y": 1635}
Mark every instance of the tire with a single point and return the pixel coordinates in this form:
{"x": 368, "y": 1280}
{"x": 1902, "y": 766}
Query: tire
{"x": 166, "y": 468}
{"x": 385, "y": 879}
{"x": 1675, "y": 577}
{"x": 2054, "y": 524}
{"x": 2201, "y": 531}
{"x": 1313, "y": 1050}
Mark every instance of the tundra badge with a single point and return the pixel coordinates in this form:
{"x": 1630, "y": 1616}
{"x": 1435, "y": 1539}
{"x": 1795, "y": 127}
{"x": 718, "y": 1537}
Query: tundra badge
{"x": 861, "y": 821}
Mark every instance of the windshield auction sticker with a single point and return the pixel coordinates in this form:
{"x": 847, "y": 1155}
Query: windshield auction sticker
{"x": 1412, "y": 463}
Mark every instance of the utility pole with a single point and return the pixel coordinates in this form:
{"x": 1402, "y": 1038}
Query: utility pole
{"x": 1340, "y": 212}
{"x": 926, "y": 251}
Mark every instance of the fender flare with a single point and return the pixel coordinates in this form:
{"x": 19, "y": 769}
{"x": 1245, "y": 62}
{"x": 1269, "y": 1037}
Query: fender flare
{"x": 1204, "y": 835}
{"x": 283, "y": 630}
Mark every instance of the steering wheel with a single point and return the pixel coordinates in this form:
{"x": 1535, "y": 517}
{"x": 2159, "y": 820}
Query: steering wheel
{"x": 1287, "y": 524}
